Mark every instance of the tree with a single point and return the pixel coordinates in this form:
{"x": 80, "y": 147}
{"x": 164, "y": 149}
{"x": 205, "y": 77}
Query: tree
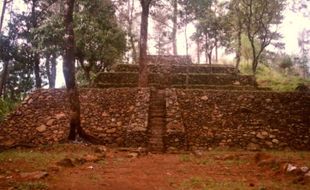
{"x": 2, "y": 14}
{"x": 260, "y": 18}
{"x": 235, "y": 25}
{"x": 143, "y": 73}
{"x": 69, "y": 74}
{"x": 175, "y": 26}
{"x": 304, "y": 45}
{"x": 99, "y": 39}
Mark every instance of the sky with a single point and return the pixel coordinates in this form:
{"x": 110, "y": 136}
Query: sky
{"x": 293, "y": 24}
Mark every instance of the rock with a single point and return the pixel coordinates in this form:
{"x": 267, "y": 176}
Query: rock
{"x": 91, "y": 158}
{"x": 133, "y": 155}
{"x": 67, "y": 162}
{"x": 265, "y": 133}
{"x": 260, "y": 136}
{"x": 50, "y": 122}
{"x": 304, "y": 169}
{"x": 205, "y": 98}
{"x": 60, "y": 116}
{"x": 197, "y": 153}
{"x": 105, "y": 114}
{"x": 33, "y": 175}
{"x": 268, "y": 100}
{"x": 2, "y": 177}
{"x": 113, "y": 130}
{"x": 307, "y": 174}
{"x": 41, "y": 129}
{"x": 291, "y": 168}
{"x": 101, "y": 149}
{"x": 237, "y": 83}
{"x": 8, "y": 143}
{"x": 253, "y": 147}
{"x": 275, "y": 141}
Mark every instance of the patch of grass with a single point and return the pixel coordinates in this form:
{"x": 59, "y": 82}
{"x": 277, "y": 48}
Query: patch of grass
{"x": 185, "y": 158}
{"x": 201, "y": 184}
{"x": 6, "y": 106}
{"x": 193, "y": 183}
{"x": 273, "y": 78}
{"x": 30, "y": 186}
{"x": 37, "y": 159}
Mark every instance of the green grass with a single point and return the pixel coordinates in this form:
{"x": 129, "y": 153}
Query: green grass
{"x": 185, "y": 158}
{"x": 6, "y": 106}
{"x": 30, "y": 186}
{"x": 203, "y": 184}
{"x": 39, "y": 160}
{"x": 275, "y": 79}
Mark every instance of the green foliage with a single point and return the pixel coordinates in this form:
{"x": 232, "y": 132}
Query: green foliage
{"x": 30, "y": 186}
{"x": 6, "y": 106}
{"x": 286, "y": 62}
{"x": 99, "y": 40}
{"x": 274, "y": 78}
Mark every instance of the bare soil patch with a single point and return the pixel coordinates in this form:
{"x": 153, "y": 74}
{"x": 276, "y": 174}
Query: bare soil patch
{"x": 95, "y": 168}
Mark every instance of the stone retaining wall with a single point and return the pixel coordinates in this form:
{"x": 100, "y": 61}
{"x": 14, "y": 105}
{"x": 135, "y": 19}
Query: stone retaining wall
{"x": 196, "y": 119}
{"x": 107, "y": 80}
{"x": 251, "y": 120}
{"x": 177, "y": 68}
{"x": 116, "y": 116}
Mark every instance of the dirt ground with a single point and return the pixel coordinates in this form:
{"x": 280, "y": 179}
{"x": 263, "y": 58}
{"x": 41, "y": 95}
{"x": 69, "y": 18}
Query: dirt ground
{"x": 82, "y": 167}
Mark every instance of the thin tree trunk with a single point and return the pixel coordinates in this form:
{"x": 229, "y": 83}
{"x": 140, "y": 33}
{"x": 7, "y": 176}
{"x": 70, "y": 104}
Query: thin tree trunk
{"x": 69, "y": 71}
{"x": 69, "y": 74}
{"x": 186, "y": 40}
{"x": 198, "y": 51}
{"x": 48, "y": 69}
{"x": 4, "y": 77}
{"x": 38, "y": 80}
{"x": 216, "y": 52}
{"x": 175, "y": 26}
{"x": 239, "y": 45}
{"x": 2, "y": 14}
{"x": 143, "y": 71}
{"x": 131, "y": 35}
{"x": 53, "y": 71}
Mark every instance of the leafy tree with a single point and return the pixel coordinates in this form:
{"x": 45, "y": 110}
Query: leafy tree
{"x": 99, "y": 40}
{"x": 260, "y": 17}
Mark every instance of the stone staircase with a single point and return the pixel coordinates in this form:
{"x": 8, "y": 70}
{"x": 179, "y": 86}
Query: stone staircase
{"x": 157, "y": 120}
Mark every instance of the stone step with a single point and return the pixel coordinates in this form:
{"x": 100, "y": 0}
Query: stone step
{"x": 157, "y": 120}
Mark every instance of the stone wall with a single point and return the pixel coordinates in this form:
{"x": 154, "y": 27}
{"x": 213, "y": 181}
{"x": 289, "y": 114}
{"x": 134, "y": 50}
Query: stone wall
{"x": 116, "y": 116}
{"x": 125, "y": 79}
{"x": 195, "y": 119}
{"x": 251, "y": 120}
{"x": 176, "y": 68}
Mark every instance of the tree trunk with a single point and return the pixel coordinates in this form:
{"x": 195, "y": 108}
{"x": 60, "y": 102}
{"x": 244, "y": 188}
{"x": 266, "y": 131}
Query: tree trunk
{"x": 4, "y": 77}
{"x": 239, "y": 45}
{"x": 2, "y": 14}
{"x": 38, "y": 80}
{"x": 175, "y": 26}
{"x": 143, "y": 70}
{"x": 216, "y": 52}
{"x": 130, "y": 33}
{"x": 48, "y": 68}
{"x": 53, "y": 71}
{"x": 69, "y": 74}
